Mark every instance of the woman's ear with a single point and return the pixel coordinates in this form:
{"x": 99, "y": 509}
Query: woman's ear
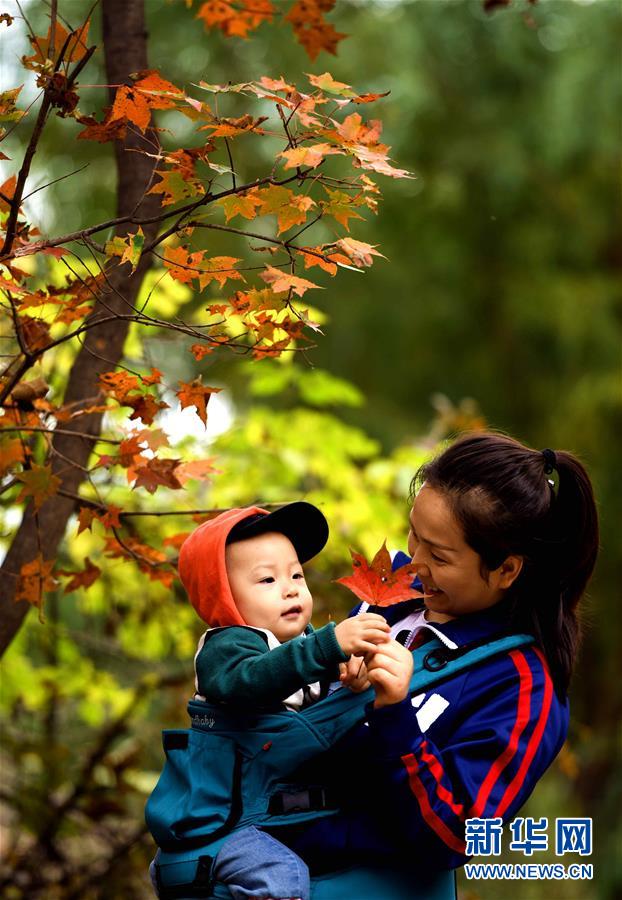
{"x": 509, "y": 570}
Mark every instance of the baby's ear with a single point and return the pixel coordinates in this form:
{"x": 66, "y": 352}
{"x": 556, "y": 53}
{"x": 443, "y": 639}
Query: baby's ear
{"x": 509, "y": 570}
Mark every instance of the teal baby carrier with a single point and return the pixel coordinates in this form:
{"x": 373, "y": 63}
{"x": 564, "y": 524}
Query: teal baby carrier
{"x": 229, "y": 770}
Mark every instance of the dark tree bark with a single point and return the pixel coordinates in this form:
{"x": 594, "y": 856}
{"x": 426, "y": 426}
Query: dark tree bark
{"x": 125, "y": 48}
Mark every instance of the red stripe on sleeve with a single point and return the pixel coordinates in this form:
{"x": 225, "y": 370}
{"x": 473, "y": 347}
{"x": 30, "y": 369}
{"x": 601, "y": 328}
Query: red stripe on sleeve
{"x": 436, "y": 768}
{"x": 433, "y": 820}
{"x": 534, "y": 741}
{"x": 522, "y": 720}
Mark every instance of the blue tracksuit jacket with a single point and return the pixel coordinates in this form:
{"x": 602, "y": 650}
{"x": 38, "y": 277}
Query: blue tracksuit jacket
{"x": 474, "y": 746}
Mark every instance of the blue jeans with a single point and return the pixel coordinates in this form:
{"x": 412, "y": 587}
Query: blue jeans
{"x": 255, "y": 866}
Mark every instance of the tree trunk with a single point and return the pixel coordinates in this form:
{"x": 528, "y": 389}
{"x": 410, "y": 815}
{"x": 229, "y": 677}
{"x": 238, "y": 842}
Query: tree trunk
{"x": 125, "y": 48}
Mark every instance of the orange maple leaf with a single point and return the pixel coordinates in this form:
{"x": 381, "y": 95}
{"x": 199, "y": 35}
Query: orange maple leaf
{"x": 377, "y": 583}
{"x": 182, "y": 266}
{"x": 295, "y": 212}
{"x": 234, "y": 127}
{"x": 7, "y": 190}
{"x": 108, "y": 130}
{"x": 75, "y": 49}
{"x": 119, "y": 384}
{"x": 201, "y": 350}
{"x": 219, "y": 268}
{"x": 157, "y": 472}
{"x": 195, "y": 394}
{"x": 35, "y": 577}
{"x": 277, "y": 84}
{"x": 159, "y": 93}
{"x": 84, "y": 578}
{"x": 132, "y": 106}
{"x": 39, "y": 483}
{"x": 11, "y": 453}
{"x": 282, "y": 281}
{"x": 199, "y": 469}
{"x": 310, "y": 156}
{"x": 327, "y": 261}
{"x": 241, "y": 205}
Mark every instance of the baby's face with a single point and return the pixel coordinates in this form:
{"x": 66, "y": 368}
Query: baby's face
{"x": 268, "y": 585}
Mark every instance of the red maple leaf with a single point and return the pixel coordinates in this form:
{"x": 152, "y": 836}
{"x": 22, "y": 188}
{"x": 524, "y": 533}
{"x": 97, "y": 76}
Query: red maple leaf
{"x": 377, "y": 583}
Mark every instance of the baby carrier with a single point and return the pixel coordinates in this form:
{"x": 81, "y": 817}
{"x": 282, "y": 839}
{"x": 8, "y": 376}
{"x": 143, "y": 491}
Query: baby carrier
{"x": 229, "y": 770}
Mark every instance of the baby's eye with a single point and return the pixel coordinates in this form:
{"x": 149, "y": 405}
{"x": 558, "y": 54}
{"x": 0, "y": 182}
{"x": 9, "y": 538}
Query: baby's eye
{"x": 298, "y": 575}
{"x": 267, "y": 580}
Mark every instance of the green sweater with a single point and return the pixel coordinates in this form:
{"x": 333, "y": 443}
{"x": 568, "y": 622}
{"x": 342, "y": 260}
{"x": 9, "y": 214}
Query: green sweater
{"x": 235, "y": 665}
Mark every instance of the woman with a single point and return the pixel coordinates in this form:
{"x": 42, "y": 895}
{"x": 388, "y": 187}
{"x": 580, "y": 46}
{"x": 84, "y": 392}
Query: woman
{"x": 505, "y": 539}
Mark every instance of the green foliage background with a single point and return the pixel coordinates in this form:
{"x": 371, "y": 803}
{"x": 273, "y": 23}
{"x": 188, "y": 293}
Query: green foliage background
{"x": 502, "y": 285}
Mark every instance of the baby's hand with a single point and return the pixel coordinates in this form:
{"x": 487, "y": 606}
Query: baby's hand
{"x": 353, "y": 674}
{"x": 360, "y": 634}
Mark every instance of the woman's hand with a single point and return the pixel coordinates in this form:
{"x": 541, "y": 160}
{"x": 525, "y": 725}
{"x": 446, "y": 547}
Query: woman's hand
{"x": 353, "y": 674}
{"x": 389, "y": 670}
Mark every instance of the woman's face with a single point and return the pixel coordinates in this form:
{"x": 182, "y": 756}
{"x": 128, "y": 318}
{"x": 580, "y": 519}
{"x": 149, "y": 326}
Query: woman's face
{"x": 450, "y": 570}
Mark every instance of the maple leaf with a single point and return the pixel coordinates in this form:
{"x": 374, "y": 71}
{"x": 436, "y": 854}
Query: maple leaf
{"x": 339, "y": 206}
{"x": 85, "y": 518}
{"x": 128, "y": 248}
{"x": 219, "y": 268}
{"x": 377, "y": 584}
{"x": 354, "y": 130}
{"x": 235, "y": 127}
{"x": 7, "y": 190}
{"x": 84, "y": 578}
{"x": 199, "y": 469}
{"x": 327, "y": 83}
{"x": 236, "y": 19}
{"x": 281, "y": 281}
{"x": 193, "y": 393}
{"x": 311, "y": 28}
{"x": 35, "y": 333}
{"x": 182, "y": 265}
{"x": 75, "y": 49}
{"x": 132, "y": 106}
{"x": 176, "y": 540}
{"x": 119, "y": 384}
{"x": 375, "y": 159}
{"x": 308, "y": 156}
{"x": 201, "y": 350}
{"x": 159, "y": 93}
{"x": 274, "y": 84}
{"x": 359, "y": 252}
{"x": 175, "y": 186}
{"x": 39, "y": 483}
{"x": 294, "y": 212}
{"x": 144, "y": 407}
{"x": 111, "y": 129}
{"x": 34, "y": 578}
{"x": 11, "y": 453}
{"x": 240, "y": 204}
{"x": 157, "y": 472}
{"x": 320, "y": 36}
{"x": 369, "y": 98}
{"x": 8, "y": 111}
{"x": 110, "y": 518}
{"x": 327, "y": 260}
{"x": 154, "y": 378}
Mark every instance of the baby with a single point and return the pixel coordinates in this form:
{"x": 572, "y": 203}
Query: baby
{"x": 243, "y": 573}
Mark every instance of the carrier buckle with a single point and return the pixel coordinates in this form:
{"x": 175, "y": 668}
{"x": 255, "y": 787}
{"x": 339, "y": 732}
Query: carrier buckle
{"x": 313, "y": 798}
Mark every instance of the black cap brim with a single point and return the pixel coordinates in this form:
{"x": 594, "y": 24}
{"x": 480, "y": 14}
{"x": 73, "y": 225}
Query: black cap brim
{"x": 301, "y": 522}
